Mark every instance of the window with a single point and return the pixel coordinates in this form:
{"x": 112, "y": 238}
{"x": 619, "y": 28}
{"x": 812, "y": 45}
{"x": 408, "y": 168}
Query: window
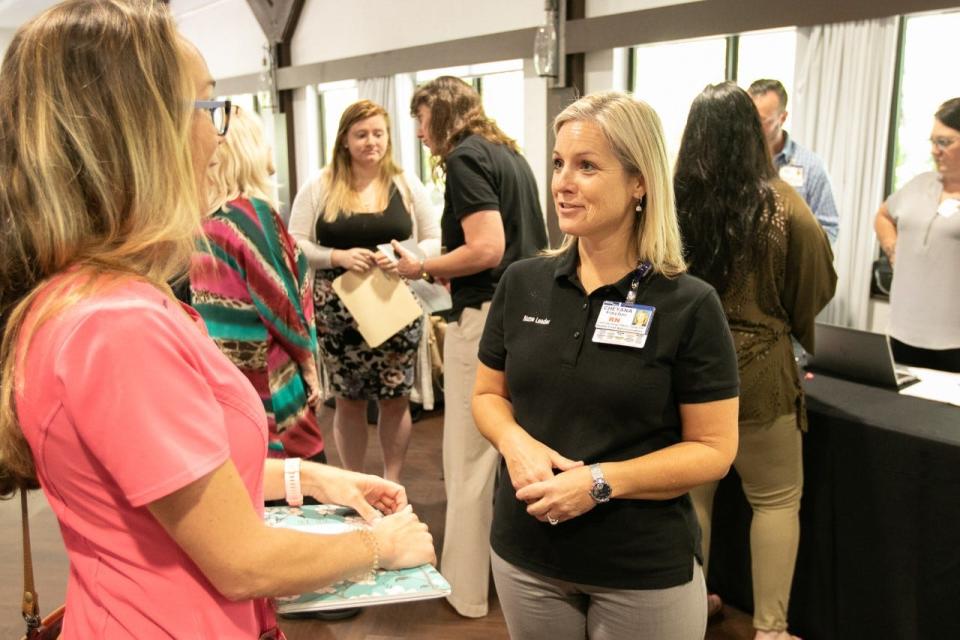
{"x": 768, "y": 54}
{"x": 502, "y": 95}
{"x": 333, "y": 98}
{"x": 669, "y": 76}
{"x": 925, "y": 83}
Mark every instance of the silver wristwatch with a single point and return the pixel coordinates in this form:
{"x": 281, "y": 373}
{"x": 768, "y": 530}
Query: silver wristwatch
{"x": 600, "y": 491}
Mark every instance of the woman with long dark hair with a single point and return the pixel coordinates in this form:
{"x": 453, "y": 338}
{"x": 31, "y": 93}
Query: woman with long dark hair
{"x": 752, "y": 237}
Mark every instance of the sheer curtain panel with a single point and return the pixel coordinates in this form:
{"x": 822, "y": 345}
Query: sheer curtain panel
{"x": 841, "y": 109}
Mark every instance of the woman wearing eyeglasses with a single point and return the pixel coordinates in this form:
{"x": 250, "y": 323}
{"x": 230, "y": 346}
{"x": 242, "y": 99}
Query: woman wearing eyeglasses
{"x": 249, "y": 282}
{"x": 360, "y": 201}
{"x": 148, "y": 443}
{"x": 919, "y": 230}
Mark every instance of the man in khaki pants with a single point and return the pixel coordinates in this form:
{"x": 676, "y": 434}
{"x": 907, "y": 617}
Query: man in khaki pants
{"x": 491, "y": 218}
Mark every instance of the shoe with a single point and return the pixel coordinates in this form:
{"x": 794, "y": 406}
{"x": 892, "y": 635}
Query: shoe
{"x": 329, "y": 615}
{"x": 714, "y": 605}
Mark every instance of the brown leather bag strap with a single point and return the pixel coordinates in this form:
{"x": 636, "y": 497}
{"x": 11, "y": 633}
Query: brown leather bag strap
{"x": 29, "y": 606}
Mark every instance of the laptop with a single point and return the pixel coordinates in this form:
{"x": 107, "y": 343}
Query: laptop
{"x": 857, "y": 355}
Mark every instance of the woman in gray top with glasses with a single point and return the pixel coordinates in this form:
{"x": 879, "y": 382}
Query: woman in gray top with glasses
{"x": 919, "y": 229}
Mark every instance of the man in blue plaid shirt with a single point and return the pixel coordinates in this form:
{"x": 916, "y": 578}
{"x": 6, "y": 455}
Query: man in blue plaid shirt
{"x": 799, "y": 167}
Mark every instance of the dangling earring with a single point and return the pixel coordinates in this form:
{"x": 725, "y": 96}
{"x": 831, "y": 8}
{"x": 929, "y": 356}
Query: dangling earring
{"x": 639, "y": 207}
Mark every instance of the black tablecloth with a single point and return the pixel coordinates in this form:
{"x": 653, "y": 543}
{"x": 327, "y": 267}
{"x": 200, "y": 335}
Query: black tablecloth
{"x": 880, "y": 519}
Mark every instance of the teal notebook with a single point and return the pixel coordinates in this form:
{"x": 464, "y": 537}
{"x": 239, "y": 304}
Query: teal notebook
{"x": 385, "y": 587}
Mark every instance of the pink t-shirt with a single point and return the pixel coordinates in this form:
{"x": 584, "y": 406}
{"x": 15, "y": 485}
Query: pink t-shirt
{"x": 125, "y": 401}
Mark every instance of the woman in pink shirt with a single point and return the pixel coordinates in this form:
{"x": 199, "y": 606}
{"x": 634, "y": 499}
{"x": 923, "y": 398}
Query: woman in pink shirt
{"x": 148, "y": 443}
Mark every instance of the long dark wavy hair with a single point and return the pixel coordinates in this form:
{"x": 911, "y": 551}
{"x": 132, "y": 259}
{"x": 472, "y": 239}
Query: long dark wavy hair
{"x": 722, "y": 184}
{"x": 456, "y": 112}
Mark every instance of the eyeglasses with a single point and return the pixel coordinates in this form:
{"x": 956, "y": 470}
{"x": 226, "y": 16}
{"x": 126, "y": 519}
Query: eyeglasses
{"x": 942, "y": 142}
{"x": 219, "y": 113}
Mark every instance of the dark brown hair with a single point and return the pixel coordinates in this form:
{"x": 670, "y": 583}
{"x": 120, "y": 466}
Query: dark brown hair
{"x": 723, "y": 184}
{"x": 455, "y": 113}
{"x": 949, "y": 113}
{"x": 765, "y": 85}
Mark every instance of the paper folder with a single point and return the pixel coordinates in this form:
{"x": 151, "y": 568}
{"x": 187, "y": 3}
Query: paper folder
{"x": 381, "y": 303}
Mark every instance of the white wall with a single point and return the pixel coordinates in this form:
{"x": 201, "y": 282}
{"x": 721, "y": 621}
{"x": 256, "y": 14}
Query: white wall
{"x": 6, "y": 35}
{"x": 606, "y": 7}
{"x": 225, "y": 31}
{"x": 333, "y": 29}
{"x": 535, "y": 129}
{"x": 605, "y": 70}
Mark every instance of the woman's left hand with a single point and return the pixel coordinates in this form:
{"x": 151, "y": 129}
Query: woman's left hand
{"x": 562, "y": 497}
{"x": 370, "y": 496}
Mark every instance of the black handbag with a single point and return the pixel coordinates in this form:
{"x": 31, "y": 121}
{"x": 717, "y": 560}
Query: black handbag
{"x": 882, "y": 276}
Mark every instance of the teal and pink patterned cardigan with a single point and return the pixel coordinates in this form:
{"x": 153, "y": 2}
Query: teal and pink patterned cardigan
{"x": 250, "y": 283}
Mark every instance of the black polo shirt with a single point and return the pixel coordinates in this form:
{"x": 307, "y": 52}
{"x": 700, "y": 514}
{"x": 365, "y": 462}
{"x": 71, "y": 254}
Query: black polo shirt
{"x": 483, "y": 176}
{"x": 604, "y": 403}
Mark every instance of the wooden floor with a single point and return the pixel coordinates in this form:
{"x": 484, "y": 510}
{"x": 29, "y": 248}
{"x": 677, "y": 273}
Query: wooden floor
{"x": 422, "y": 476}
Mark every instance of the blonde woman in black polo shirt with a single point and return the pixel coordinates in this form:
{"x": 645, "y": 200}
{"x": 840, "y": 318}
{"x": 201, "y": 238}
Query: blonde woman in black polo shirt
{"x": 608, "y": 382}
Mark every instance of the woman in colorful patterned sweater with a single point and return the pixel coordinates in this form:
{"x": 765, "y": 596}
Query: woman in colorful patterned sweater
{"x": 249, "y": 282}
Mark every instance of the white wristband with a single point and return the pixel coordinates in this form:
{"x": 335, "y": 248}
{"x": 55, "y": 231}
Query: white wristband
{"x": 291, "y": 481}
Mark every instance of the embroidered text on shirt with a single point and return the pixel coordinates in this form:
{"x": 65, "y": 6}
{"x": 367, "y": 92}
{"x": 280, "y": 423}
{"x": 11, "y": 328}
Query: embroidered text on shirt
{"x": 536, "y": 320}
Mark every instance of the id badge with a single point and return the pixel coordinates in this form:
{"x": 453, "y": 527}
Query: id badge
{"x": 948, "y": 207}
{"x": 792, "y": 175}
{"x": 622, "y": 324}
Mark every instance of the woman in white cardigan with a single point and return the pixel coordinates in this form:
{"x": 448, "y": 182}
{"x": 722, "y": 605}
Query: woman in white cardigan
{"x": 338, "y": 218}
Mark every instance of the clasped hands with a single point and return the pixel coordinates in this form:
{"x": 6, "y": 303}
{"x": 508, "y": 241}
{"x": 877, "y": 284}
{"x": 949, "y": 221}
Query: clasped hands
{"x": 549, "y": 498}
{"x": 361, "y": 260}
{"x": 403, "y": 540}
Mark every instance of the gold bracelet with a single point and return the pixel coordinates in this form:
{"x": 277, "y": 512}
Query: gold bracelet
{"x": 371, "y": 542}
{"x": 423, "y": 272}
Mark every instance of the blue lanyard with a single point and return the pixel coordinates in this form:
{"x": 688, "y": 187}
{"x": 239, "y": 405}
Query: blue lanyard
{"x": 643, "y": 270}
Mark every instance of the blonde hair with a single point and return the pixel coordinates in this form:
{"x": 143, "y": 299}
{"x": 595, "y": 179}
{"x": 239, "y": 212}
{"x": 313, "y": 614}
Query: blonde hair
{"x": 633, "y": 130}
{"x": 95, "y": 120}
{"x": 243, "y": 167}
{"x": 456, "y": 112}
{"x": 339, "y": 196}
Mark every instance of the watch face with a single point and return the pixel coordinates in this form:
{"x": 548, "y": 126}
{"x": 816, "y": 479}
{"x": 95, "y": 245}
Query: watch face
{"x": 601, "y": 491}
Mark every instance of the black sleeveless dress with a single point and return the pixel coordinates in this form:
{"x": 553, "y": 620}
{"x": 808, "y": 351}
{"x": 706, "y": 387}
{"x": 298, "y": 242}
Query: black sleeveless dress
{"x": 356, "y": 370}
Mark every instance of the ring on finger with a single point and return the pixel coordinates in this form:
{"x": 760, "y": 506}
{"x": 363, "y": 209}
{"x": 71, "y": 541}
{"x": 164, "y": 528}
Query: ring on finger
{"x": 552, "y": 520}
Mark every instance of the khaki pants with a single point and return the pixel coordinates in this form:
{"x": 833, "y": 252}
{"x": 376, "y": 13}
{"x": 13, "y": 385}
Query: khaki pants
{"x": 540, "y": 608}
{"x": 469, "y": 468}
{"x": 770, "y": 466}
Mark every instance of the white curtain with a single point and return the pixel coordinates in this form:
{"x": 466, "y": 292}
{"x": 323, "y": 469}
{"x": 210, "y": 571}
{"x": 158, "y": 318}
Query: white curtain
{"x": 393, "y": 93}
{"x": 841, "y": 109}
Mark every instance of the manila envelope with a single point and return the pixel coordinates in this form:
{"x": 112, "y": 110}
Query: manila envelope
{"x": 381, "y": 303}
